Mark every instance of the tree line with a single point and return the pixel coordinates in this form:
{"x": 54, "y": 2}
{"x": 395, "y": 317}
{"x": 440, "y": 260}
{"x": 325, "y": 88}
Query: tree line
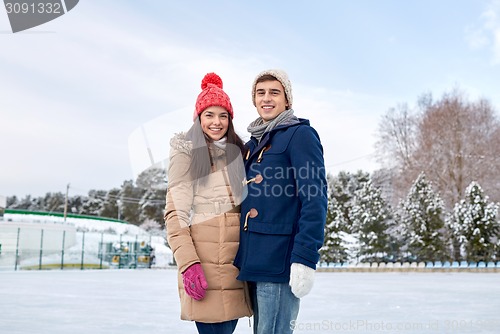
{"x": 361, "y": 225}
{"x": 140, "y": 203}
{"x": 431, "y": 198}
{"x": 435, "y": 197}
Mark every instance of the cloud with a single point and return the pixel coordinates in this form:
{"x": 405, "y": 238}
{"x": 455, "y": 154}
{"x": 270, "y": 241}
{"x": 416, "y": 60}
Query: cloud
{"x": 486, "y": 35}
{"x": 496, "y": 47}
{"x": 73, "y": 101}
{"x": 346, "y": 122}
{"x": 68, "y": 109}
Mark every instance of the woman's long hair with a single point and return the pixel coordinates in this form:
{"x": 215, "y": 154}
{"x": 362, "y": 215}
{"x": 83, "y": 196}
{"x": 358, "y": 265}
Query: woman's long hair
{"x": 201, "y": 165}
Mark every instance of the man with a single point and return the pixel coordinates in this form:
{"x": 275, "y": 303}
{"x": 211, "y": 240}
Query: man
{"x": 283, "y": 216}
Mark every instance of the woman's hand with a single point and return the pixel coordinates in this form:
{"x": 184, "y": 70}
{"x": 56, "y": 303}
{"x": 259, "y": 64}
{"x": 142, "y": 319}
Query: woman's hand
{"x": 195, "y": 282}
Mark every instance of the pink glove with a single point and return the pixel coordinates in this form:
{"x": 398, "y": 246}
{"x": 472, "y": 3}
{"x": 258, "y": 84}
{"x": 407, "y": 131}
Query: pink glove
{"x": 194, "y": 281}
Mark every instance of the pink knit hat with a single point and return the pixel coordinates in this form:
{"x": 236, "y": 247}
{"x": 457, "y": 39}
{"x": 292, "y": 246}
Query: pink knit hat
{"x": 212, "y": 95}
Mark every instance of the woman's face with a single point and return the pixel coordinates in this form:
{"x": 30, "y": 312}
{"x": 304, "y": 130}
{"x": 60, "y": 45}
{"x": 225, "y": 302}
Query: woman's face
{"x": 214, "y": 122}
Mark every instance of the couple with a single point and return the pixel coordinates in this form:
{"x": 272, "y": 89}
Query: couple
{"x": 245, "y": 233}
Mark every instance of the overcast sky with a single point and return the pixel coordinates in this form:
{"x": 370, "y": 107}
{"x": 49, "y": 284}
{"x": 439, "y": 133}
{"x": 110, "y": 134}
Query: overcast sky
{"x": 83, "y": 96}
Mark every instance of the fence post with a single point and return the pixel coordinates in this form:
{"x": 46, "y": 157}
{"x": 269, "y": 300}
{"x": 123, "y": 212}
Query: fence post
{"x": 41, "y": 250}
{"x": 101, "y": 252}
{"x": 83, "y": 249}
{"x": 62, "y": 252}
{"x": 120, "y": 254}
{"x": 17, "y": 248}
{"x": 135, "y": 251}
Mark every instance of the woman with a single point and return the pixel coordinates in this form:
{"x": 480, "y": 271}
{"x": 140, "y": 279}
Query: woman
{"x": 202, "y": 213}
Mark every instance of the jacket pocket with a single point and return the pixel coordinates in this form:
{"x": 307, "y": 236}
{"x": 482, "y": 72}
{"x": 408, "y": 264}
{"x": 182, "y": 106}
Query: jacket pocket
{"x": 269, "y": 247}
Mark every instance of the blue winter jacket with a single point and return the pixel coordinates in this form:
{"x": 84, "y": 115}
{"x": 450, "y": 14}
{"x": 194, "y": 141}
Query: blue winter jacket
{"x": 284, "y": 213}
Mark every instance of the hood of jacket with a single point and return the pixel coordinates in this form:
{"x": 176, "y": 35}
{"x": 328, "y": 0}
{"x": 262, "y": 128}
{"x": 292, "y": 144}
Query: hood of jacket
{"x": 180, "y": 143}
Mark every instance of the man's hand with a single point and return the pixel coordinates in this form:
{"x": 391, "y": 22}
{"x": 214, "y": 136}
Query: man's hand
{"x": 301, "y": 279}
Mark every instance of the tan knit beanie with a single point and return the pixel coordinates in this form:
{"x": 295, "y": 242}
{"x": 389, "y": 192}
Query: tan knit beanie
{"x": 282, "y": 77}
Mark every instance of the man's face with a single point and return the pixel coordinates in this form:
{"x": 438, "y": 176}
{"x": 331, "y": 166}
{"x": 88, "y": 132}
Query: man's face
{"x": 270, "y": 99}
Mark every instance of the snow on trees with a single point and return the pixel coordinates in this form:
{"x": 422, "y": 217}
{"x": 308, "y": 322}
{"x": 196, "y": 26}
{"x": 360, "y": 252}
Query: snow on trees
{"x": 134, "y": 203}
{"x": 338, "y": 225}
{"x": 420, "y": 215}
{"x": 474, "y": 225}
{"x": 370, "y": 218}
{"x": 153, "y": 181}
{"x": 357, "y": 219}
{"x": 333, "y": 249}
{"x": 110, "y": 205}
{"x": 94, "y": 203}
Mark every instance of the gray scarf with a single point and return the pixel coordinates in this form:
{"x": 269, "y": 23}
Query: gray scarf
{"x": 258, "y": 128}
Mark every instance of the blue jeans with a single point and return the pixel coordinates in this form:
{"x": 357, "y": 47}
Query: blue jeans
{"x": 274, "y": 307}
{"x": 226, "y": 327}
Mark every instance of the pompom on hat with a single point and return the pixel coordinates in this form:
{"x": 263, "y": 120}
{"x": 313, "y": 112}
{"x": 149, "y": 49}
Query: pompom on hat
{"x": 212, "y": 95}
{"x": 282, "y": 77}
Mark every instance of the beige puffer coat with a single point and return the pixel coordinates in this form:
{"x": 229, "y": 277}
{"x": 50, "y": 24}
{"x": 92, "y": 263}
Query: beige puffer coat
{"x": 196, "y": 232}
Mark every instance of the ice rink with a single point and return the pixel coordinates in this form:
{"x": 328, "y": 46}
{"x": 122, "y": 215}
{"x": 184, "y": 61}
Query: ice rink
{"x": 145, "y": 301}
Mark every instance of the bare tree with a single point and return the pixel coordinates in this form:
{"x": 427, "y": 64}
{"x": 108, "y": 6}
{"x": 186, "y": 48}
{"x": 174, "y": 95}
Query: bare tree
{"x": 455, "y": 145}
{"x": 395, "y": 149}
{"x": 396, "y": 142}
{"x": 454, "y": 141}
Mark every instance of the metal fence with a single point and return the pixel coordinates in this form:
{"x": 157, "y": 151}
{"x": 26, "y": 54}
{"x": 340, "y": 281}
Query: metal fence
{"x": 46, "y": 248}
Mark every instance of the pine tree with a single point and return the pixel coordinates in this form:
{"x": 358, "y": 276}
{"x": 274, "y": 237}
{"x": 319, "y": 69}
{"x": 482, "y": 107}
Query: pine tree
{"x": 474, "y": 225}
{"x": 153, "y": 182}
{"x": 420, "y": 215}
{"x": 12, "y": 201}
{"x": 341, "y": 191}
{"x": 54, "y": 202}
{"x": 152, "y": 205}
{"x": 154, "y": 177}
{"x": 110, "y": 204}
{"x": 28, "y": 203}
{"x": 94, "y": 203}
{"x": 333, "y": 249}
{"x": 370, "y": 218}
{"x": 130, "y": 196}
{"x": 75, "y": 203}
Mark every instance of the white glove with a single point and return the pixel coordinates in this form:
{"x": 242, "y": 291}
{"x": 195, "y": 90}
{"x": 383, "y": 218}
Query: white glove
{"x": 301, "y": 279}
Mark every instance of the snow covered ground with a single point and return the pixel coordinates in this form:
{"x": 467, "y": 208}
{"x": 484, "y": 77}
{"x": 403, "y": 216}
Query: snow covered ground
{"x": 145, "y": 301}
